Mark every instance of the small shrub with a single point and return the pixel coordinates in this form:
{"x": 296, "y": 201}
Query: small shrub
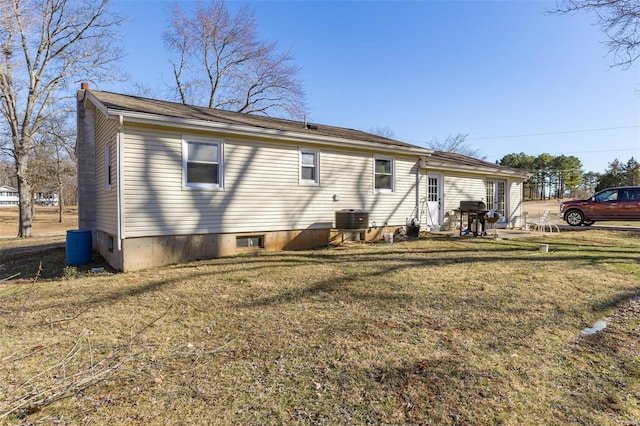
{"x": 70, "y": 272}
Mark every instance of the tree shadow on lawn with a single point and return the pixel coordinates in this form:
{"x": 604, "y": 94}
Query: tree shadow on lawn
{"x": 442, "y": 387}
{"x": 384, "y": 263}
{"x": 372, "y": 264}
{"x": 45, "y": 262}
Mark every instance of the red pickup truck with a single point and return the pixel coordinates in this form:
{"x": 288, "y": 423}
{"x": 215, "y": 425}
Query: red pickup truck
{"x": 621, "y": 203}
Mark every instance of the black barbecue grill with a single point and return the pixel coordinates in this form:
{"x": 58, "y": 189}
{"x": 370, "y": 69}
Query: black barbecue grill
{"x": 475, "y": 211}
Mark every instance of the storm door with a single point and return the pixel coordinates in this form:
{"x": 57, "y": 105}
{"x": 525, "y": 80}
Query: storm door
{"x": 434, "y": 202}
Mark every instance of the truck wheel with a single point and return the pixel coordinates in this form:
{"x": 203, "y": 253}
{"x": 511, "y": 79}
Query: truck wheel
{"x": 574, "y": 217}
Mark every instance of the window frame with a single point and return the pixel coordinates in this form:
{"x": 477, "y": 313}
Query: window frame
{"x": 316, "y": 168}
{"x": 249, "y": 239}
{"x": 611, "y": 192}
{"x": 496, "y": 195}
{"x": 392, "y": 174}
{"x": 219, "y": 143}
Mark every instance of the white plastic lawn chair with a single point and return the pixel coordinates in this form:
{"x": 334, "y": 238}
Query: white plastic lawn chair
{"x": 544, "y": 223}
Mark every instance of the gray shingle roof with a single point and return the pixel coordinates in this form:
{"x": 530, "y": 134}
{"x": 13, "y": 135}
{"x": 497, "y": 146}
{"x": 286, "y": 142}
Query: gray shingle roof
{"x": 453, "y": 159}
{"x": 127, "y": 103}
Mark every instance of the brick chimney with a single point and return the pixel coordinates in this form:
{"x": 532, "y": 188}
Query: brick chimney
{"x": 85, "y": 153}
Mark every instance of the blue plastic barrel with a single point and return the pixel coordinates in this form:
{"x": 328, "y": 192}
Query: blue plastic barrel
{"x": 79, "y": 250}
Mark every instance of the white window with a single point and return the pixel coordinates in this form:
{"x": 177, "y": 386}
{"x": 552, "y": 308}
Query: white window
{"x": 107, "y": 167}
{"x": 309, "y": 167}
{"x": 202, "y": 165}
{"x": 383, "y": 179}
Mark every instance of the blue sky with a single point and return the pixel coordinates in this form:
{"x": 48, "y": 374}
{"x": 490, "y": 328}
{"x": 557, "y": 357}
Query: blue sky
{"x": 508, "y": 74}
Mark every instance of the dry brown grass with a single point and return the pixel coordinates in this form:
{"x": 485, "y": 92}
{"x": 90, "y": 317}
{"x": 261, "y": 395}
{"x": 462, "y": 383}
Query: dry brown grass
{"x": 45, "y": 221}
{"x": 462, "y": 331}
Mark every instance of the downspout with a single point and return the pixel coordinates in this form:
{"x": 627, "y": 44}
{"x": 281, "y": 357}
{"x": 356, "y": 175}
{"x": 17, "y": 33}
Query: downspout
{"x": 119, "y": 183}
{"x": 418, "y": 218}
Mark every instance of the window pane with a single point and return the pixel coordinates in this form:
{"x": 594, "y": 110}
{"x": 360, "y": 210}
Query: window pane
{"x": 246, "y": 242}
{"x": 383, "y": 166}
{"x": 309, "y": 158}
{"x": 383, "y": 182}
{"x": 501, "y": 197}
{"x": 607, "y": 196}
{"x": 203, "y": 152}
{"x": 490, "y": 191}
{"x": 107, "y": 166}
{"x": 308, "y": 173}
{"x": 202, "y": 173}
{"x": 433, "y": 189}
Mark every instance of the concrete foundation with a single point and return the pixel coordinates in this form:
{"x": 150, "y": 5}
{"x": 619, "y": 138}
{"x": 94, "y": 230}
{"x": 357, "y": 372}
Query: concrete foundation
{"x": 149, "y": 252}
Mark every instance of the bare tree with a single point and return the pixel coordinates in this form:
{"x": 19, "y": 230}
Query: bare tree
{"x": 618, "y": 19}
{"x": 7, "y": 173}
{"x": 219, "y": 62}
{"x": 384, "y": 131}
{"x": 46, "y": 46}
{"x": 53, "y": 166}
{"x": 457, "y": 144}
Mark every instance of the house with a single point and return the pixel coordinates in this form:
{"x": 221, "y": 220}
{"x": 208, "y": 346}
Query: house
{"x": 8, "y": 196}
{"x": 161, "y": 182}
{"x": 45, "y": 199}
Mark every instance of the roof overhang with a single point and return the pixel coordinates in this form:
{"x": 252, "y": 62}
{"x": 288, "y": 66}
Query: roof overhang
{"x": 432, "y": 163}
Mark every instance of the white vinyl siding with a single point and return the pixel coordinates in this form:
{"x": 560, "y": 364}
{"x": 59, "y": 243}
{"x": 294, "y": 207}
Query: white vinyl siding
{"x": 462, "y": 188}
{"x": 106, "y": 201}
{"x": 8, "y": 196}
{"x": 262, "y": 191}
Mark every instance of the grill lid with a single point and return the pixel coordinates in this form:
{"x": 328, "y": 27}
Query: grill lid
{"x": 472, "y": 206}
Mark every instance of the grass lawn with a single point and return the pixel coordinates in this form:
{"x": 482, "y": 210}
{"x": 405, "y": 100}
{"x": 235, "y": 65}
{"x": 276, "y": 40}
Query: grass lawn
{"x": 45, "y": 221}
{"x": 459, "y": 331}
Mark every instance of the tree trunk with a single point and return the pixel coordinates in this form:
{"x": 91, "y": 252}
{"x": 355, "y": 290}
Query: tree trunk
{"x": 60, "y": 199}
{"x": 60, "y": 208}
{"x": 60, "y": 204}
{"x": 25, "y": 193}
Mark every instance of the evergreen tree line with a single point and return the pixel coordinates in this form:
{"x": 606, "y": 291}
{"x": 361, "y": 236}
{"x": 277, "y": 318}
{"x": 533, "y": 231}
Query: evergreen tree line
{"x": 562, "y": 176}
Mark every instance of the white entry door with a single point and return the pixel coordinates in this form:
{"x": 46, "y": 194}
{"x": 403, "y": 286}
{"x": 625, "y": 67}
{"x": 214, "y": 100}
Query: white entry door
{"x": 433, "y": 217}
